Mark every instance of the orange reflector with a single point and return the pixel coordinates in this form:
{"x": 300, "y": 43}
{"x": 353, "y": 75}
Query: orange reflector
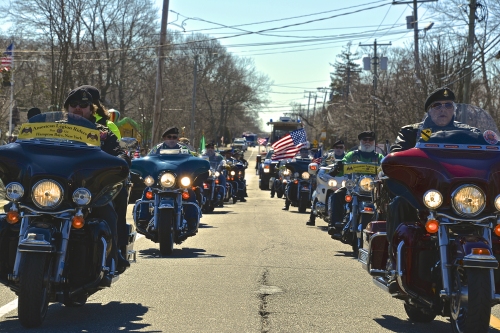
{"x": 295, "y": 181}
{"x": 216, "y": 181}
{"x": 185, "y": 195}
{"x": 432, "y": 226}
{"x": 368, "y": 209}
{"x": 12, "y": 217}
{"x": 149, "y": 195}
{"x": 78, "y": 222}
{"x": 193, "y": 188}
{"x": 348, "y": 198}
{"x": 497, "y": 230}
{"x": 481, "y": 251}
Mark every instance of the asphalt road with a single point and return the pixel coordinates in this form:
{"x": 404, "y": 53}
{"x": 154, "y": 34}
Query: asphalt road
{"x": 251, "y": 268}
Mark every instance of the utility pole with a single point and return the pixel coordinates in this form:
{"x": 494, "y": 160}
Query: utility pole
{"x": 470, "y": 53}
{"x": 155, "y": 135}
{"x": 375, "y": 64}
{"x": 414, "y": 24}
{"x": 195, "y": 75}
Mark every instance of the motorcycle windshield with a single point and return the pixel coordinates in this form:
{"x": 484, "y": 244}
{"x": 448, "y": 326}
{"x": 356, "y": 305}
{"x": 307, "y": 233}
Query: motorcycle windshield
{"x": 297, "y": 166}
{"x": 445, "y": 160}
{"x": 58, "y": 146}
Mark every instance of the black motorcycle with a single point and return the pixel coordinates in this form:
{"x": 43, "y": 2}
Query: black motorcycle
{"x": 50, "y": 249}
{"x": 214, "y": 187}
{"x": 300, "y": 187}
{"x": 170, "y": 209}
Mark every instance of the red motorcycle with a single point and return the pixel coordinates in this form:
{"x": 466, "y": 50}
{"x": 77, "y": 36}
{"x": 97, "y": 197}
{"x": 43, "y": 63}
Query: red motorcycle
{"x": 443, "y": 261}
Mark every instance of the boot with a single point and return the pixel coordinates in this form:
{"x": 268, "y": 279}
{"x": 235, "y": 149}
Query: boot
{"x": 287, "y": 205}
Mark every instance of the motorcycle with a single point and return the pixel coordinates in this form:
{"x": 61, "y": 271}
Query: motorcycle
{"x": 444, "y": 261}
{"x": 51, "y": 250}
{"x": 282, "y": 179}
{"x": 298, "y": 190}
{"x": 214, "y": 187}
{"x": 359, "y": 207}
{"x": 170, "y": 209}
{"x": 326, "y": 185}
{"x": 236, "y": 179}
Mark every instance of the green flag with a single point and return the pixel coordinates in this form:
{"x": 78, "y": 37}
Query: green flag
{"x": 202, "y": 143}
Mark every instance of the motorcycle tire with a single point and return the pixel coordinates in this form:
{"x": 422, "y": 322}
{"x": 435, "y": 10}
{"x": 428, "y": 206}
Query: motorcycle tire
{"x": 279, "y": 194}
{"x": 474, "y": 314}
{"x": 235, "y": 200}
{"x": 34, "y": 286}
{"x": 166, "y": 232}
{"x": 264, "y": 186}
{"x": 417, "y": 315}
{"x": 302, "y": 206}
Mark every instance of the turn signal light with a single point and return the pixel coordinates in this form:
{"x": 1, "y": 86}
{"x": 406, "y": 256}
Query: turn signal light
{"x": 149, "y": 195}
{"x": 78, "y": 222}
{"x": 348, "y": 198}
{"x": 193, "y": 188}
{"x": 432, "y": 226}
{"x": 185, "y": 195}
{"x": 481, "y": 251}
{"x": 313, "y": 167}
{"x": 12, "y": 217}
{"x": 216, "y": 181}
{"x": 205, "y": 186}
{"x": 496, "y": 230}
{"x": 295, "y": 181}
{"x": 368, "y": 209}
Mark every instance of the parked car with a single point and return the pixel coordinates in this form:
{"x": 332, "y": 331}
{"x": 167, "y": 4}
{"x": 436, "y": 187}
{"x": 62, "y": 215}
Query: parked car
{"x": 240, "y": 143}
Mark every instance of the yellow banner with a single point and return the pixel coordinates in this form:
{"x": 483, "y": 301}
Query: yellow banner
{"x": 60, "y": 131}
{"x": 364, "y": 168}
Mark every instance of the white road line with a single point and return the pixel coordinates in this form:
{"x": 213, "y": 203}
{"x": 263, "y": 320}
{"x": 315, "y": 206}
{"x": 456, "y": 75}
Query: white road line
{"x": 8, "y": 308}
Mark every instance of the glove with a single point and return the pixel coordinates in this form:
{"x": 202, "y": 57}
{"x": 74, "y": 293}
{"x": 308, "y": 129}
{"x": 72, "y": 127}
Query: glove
{"x": 339, "y": 166}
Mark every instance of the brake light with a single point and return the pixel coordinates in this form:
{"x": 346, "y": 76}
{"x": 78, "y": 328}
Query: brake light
{"x": 12, "y": 217}
{"x": 78, "y": 222}
{"x": 368, "y": 209}
{"x": 432, "y": 226}
{"x": 149, "y": 195}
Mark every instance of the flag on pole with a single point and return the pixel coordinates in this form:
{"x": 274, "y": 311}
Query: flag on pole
{"x": 202, "y": 143}
{"x": 318, "y": 156}
{"x": 289, "y": 145}
{"x": 9, "y": 56}
{"x": 262, "y": 141}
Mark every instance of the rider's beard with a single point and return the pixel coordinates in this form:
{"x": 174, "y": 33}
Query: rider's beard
{"x": 171, "y": 143}
{"x": 366, "y": 148}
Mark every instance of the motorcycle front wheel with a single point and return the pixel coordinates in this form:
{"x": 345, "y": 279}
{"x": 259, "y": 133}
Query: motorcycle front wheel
{"x": 166, "y": 232}
{"x": 34, "y": 286}
{"x": 473, "y": 313}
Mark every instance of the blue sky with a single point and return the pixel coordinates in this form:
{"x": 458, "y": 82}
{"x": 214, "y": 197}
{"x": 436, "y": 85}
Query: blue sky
{"x": 296, "y": 57}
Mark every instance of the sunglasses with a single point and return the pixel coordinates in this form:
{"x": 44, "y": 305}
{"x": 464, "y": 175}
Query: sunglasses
{"x": 368, "y": 139}
{"x": 171, "y": 136}
{"x": 338, "y": 147}
{"x": 437, "y": 105}
{"x": 82, "y": 105}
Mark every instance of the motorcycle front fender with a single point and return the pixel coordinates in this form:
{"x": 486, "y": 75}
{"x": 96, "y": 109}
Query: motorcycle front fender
{"x": 474, "y": 252}
{"x": 37, "y": 240}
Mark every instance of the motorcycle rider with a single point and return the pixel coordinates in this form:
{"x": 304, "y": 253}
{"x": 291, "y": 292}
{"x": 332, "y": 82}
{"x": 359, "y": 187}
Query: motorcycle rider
{"x": 80, "y": 102}
{"x": 338, "y": 154}
{"x": 365, "y": 153}
{"x": 440, "y": 107}
{"x": 238, "y": 156}
{"x": 302, "y": 156}
{"x": 170, "y": 140}
{"x": 215, "y": 159}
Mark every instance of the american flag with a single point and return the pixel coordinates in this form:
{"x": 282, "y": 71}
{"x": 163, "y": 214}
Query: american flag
{"x": 7, "y": 60}
{"x": 261, "y": 141}
{"x": 289, "y": 145}
{"x": 317, "y": 157}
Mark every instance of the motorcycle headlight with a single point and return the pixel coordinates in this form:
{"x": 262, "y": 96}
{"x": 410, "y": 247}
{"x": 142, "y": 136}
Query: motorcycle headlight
{"x": 185, "y": 181}
{"x": 497, "y": 202}
{"x": 366, "y": 184}
{"x": 349, "y": 184}
{"x": 47, "y": 194}
{"x": 149, "y": 181}
{"x": 217, "y": 173}
{"x": 433, "y": 199}
{"x": 14, "y": 191}
{"x": 332, "y": 183}
{"x": 343, "y": 183}
{"x": 167, "y": 180}
{"x": 266, "y": 169}
{"x": 287, "y": 172}
{"x": 233, "y": 173}
{"x": 82, "y": 196}
{"x": 305, "y": 175}
{"x": 468, "y": 200}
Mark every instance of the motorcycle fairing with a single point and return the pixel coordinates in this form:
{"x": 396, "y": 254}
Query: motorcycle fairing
{"x": 297, "y": 166}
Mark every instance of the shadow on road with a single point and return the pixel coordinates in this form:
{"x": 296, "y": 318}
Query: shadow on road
{"x": 179, "y": 253}
{"x": 92, "y": 317}
{"x": 345, "y": 254}
{"x": 216, "y": 212}
{"x": 205, "y": 226}
{"x": 399, "y": 325}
